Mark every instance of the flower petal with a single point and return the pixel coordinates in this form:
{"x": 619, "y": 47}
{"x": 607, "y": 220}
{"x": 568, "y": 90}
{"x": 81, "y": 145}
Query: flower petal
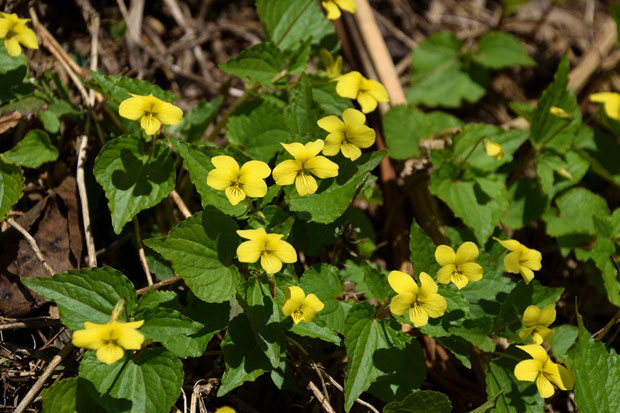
{"x": 401, "y": 303}
{"x": 295, "y": 297}
{"x": 509, "y": 244}
{"x": 545, "y": 388}
{"x": 348, "y": 85}
{"x": 418, "y": 316}
{"x": 312, "y": 305}
{"x": 541, "y": 334}
{"x": 28, "y": 38}
{"x": 361, "y": 136}
{"x": 531, "y": 258}
{"x": 445, "y": 273}
{"x": 150, "y": 124}
{"x": 249, "y": 251}
{"x": 402, "y": 283}
{"x": 467, "y": 252}
{"x": 333, "y": 141}
{"x": 350, "y": 151}
{"x": 511, "y": 263}
{"x": 314, "y": 148}
{"x": 110, "y": 353}
{"x": 270, "y": 263}
{"x": 526, "y": 273}
{"x": 296, "y": 149}
{"x": 333, "y": 12}
{"x": 255, "y": 170}
{"x": 459, "y": 280}
{"x": 471, "y": 270}
{"x": 525, "y": 332}
{"x": 221, "y": 179}
{"x": 286, "y": 172}
{"x": 547, "y": 315}
{"x": 434, "y": 305}
{"x": 305, "y": 184}
{"x": 167, "y": 113}
{"x": 235, "y": 194}
{"x": 255, "y": 188}
{"x": 611, "y": 103}
{"x": 537, "y": 352}
{"x": 366, "y": 101}
{"x": 128, "y": 337}
{"x": 376, "y": 90}
{"x": 225, "y": 162}
{"x": 258, "y": 234}
{"x": 427, "y": 285}
{"x": 568, "y": 380}
{"x": 322, "y": 167}
{"x": 12, "y": 47}
{"x": 134, "y": 107}
{"x": 283, "y": 250}
{"x": 331, "y": 123}
{"x": 347, "y": 5}
{"x": 444, "y": 255}
{"x": 353, "y": 117}
{"x": 527, "y": 370}
{"x": 91, "y": 338}
{"x": 531, "y": 315}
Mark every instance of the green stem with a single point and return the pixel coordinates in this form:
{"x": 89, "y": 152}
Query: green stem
{"x": 599, "y": 336}
{"x": 288, "y": 29}
{"x": 222, "y": 122}
{"x": 471, "y": 151}
{"x": 496, "y": 353}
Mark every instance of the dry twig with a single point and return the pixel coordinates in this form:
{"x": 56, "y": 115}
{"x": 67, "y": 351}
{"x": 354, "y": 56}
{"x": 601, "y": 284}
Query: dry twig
{"x": 33, "y": 244}
{"x": 141, "y": 254}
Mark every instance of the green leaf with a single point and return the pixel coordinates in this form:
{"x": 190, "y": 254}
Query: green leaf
{"x": 527, "y": 203}
{"x": 602, "y": 252}
{"x": 456, "y": 313}
{"x": 196, "y": 121}
{"x": 438, "y": 78}
{"x": 118, "y": 88}
{"x": 150, "y": 381}
{"x": 75, "y": 395}
{"x": 597, "y": 374}
{"x": 257, "y": 128}
{"x": 133, "y": 179}
{"x": 154, "y": 298}
{"x": 459, "y": 347}
{"x": 366, "y": 340}
{"x": 563, "y": 338}
{"x": 497, "y": 50}
{"x": 289, "y": 23}
{"x": 377, "y": 282}
{"x": 576, "y": 209}
{"x": 303, "y": 112}
{"x": 197, "y": 161}
{"x": 421, "y": 401}
{"x": 244, "y": 359}
{"x": 11, "y": 186}
{"x": 551, "y": 168}
{"x": 201, "y": 249}
{"x": 324, "y": 281}
{"x": 405, "y": 126}
{"x": 476, "y": 134}
{"x": 273, "y": 219}
{"x": 264, "y": 316}
{"x": 13, "y": 76}
{"x": 488, "y": 405}
{"x": 259, "y": 63}
{"x": 422, "y": 250}
{"x": 334, "y": 195}
{"x": 85, "y": 295}
{"x": 165, "y": 324}
{"x": 476, "y": 331}
{"x": 546, "y": 126}
{"x": 601, "y": 150}
{"x": 516, "y": 396}
{"x": 324, "y": 93}
{"x": 55, "y": 111}
{"x": 32, "y": 151}
{"x": 479, "y": 201}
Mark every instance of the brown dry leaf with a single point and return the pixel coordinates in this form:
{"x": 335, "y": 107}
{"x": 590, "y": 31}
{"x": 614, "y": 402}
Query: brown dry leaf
{"x": 9, "y": 120}
{"x": 67, "y": 191}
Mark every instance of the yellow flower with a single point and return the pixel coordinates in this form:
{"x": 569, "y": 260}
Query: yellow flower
{"x": 347, "y": 135}
{"x": 151, "y": 111}
{"x": 559, "y": 112}
{"x": 421, "y": 302}
{"x": 521, "y": 260}
{"x": 494, "y": 150}
{"x": 269, "y": 248}
{"x": 537, "y": 323}
{"x": 333, "y": 68}
{"x": 225, "y": 409}
{"x": 306, "y": 162}
{"x": 301, "y": 306}
{"x": 110, "y": 339}
{"x": 367, "y": 92}
{"x": 237, "y": 183}
{"x": 610, "y": 101}
{"x": 543, "y": 371}
{"x": 14, "y": 31}
{"x": 332, "y": 7}
{"x": 458, "y": 268}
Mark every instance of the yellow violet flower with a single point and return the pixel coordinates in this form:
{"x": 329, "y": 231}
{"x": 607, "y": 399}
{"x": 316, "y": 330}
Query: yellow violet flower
{"x": 610, "y": 101}
{"x": 306, "y": 163}
{"x": 559, "y": 112}
{"x": 521, "y": 260}
{"x": 543, "y": 371}
{"x": 237, "y": 183}
{"x": 301, "y": 306}
{"x": 110, "y": 339}
{"x": 494, "y": 150}
{"x": 151, "y": 111}
{"x": 15, "y": 32}
{"x": 269, "y": 248}
{"x": 333, "y": 7}
{"x": 458, "y": 267}
{"x": 333, "y": 68}
{"x": 421, "y": 302}
{"x": 347, "y": 135}
{"x": 225, "y": 409}
{"x": 367, "y": 92}
{"x": 537, "y": 323}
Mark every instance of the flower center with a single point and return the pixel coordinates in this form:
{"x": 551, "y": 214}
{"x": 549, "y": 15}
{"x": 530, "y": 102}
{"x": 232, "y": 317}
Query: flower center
{"x": 298, "y": 314}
